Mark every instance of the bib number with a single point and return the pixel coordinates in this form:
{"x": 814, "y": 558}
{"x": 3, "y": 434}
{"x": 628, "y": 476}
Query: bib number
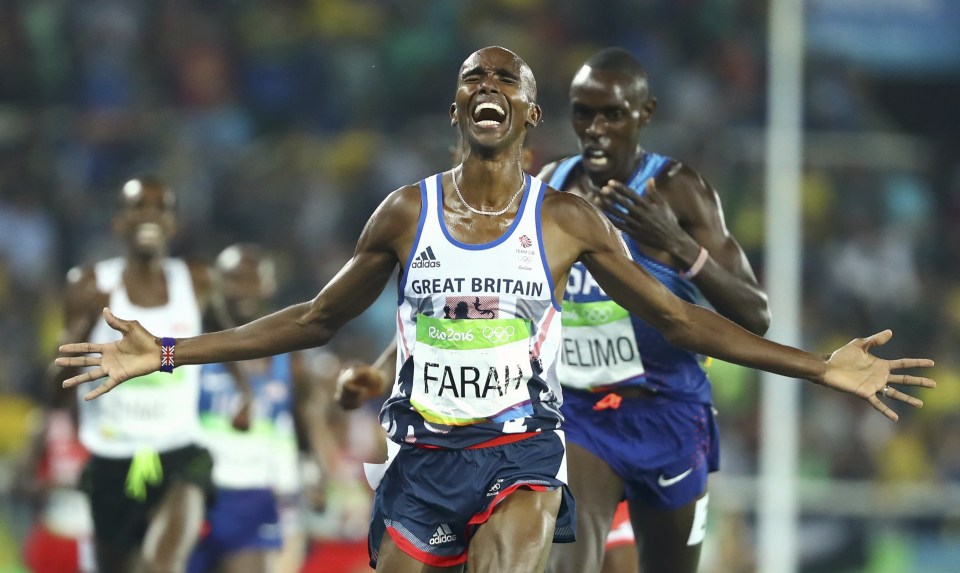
{"x": 468, "y": 371}
{"x": 599, "y": 345}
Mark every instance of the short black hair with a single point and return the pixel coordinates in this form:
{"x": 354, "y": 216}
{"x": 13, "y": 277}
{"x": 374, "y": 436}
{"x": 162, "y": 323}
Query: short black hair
{"x": 148, "y": 180}
{"x": 617, "y": 60}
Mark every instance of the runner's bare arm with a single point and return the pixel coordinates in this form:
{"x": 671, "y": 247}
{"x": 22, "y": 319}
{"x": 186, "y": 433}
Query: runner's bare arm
{"x": 386, "y": 237}
{"x": 681, "y": 214}
{"x": 309, "y": 388}
{"x": 586, "y": 234}
{"x": 81, "y": 310}
{"x": 727, "y": 280}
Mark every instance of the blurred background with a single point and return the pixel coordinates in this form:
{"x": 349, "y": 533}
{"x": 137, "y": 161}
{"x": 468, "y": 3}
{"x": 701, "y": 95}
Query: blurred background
{"x": 286, "y": 122}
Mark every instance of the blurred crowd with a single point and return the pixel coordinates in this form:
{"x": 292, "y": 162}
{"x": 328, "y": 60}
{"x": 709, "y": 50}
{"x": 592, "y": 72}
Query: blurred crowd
{"x": 286, "y": 122}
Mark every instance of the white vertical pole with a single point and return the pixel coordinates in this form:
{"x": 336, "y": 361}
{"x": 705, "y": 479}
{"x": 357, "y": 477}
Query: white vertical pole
{"x": 777, "y": 511}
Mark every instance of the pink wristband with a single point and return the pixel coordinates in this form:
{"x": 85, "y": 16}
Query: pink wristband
{"x": 697, "y": 265}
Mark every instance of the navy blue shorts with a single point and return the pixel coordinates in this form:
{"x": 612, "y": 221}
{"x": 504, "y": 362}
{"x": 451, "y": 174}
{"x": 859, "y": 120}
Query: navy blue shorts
{"x": 240, "y": 519}
{"x": 431, "y": 501}
{"x": 662, "y": 449}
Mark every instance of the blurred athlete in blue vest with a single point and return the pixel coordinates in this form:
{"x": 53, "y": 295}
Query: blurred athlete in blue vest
{"x": 255, "y": 457}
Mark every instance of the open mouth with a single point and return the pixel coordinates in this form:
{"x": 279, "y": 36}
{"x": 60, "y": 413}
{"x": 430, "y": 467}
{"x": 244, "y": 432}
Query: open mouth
{"x": 489, "y": 114}
{"x": 149, "y": 234}
{"x": 597, "y": 158}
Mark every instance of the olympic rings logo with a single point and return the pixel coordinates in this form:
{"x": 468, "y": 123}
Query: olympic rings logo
{"x": 497, "y": 333}
{"x": 597, "y": 314}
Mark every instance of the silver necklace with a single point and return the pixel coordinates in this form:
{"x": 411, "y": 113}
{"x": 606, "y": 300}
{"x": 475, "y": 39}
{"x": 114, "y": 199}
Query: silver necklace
{"x": 453, "y": 176}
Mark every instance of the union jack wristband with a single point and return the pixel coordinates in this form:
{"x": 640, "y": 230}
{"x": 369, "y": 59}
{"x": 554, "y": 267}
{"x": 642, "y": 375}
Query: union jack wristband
{"x": 167, "y": 347}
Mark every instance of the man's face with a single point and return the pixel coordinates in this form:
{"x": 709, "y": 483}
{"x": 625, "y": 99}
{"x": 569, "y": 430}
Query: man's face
{"x": 147, "y": 217}
{"x": 495, "y": 99}
{"x": 609, "y": 110}
{"x": 247, "y": 285}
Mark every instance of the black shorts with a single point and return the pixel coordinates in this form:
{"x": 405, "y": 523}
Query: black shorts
{"x": 120, "y": 521}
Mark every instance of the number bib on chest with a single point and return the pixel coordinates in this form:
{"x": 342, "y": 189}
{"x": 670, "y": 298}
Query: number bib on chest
{"x": 146, "y": 405}
{"x": 599, "y": 345}
{"x": 468, "y": 371}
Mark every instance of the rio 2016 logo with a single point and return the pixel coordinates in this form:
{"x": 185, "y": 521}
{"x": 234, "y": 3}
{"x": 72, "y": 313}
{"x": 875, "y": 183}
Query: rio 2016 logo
{"x": 449, "y": 334}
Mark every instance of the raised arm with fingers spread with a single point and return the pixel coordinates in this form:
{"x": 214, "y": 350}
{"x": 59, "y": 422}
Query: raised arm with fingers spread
{"x": 572, "y": 230}
{"x": 387, "y": 233}
{"x": 586, "y": 234}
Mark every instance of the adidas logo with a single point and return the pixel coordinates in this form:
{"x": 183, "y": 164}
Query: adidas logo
{"x": 425, "y": 260}
{"x": 442, "y": 535}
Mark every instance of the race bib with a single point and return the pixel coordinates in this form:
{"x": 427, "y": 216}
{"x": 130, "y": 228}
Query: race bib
{"x": 146, "y": 407}
{"x": 599, "y": 345}
{"x": 468, "y": 371}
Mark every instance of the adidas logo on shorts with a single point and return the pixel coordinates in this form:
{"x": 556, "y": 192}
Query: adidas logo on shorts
{"x": 425, "y": 260}
{"x": 443, "y": 535}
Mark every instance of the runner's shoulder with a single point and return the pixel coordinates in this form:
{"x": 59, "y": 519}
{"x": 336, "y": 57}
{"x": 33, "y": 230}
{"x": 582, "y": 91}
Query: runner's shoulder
{"x": 679, "y": 178}
{"x": 550, "y": 168}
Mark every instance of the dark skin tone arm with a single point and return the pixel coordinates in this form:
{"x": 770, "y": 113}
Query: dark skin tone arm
{"x": 572, "y": 230}
{"x": 683, "y": 324}
{"x": 82, "y": 308}
{"x": 678, "y": 215}
{"x": 304, "y": 422}
{"x": 298, "y": 326}
{"x": 675, "y": 217}
{"x": 216, "y": 317}
{"x": 349, "y": 293}
{"x": 850, "y": 369}
{"x": 208, "y": 296}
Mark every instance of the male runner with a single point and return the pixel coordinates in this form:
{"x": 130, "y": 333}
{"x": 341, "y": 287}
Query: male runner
{"x": 638, "y": 411}
{"x": 244, "y": 532}
{"x": 478, "y": 460}
{"x": 146, "y": 478}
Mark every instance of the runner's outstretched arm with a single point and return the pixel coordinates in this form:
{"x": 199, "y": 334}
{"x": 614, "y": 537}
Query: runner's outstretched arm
{"x": 296, "y": 327}
{"x": 587, "y": 235}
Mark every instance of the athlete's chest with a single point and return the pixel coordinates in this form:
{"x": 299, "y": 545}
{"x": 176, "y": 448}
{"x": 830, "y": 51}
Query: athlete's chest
{"x": 473, "y": 229}
{"x": 146, "y": 291}
{"x": 476, "y": 280}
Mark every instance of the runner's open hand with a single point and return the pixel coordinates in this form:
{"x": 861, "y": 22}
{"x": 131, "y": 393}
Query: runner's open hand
{"x": 854, "y": 370}
{"x": 136, "y": 354}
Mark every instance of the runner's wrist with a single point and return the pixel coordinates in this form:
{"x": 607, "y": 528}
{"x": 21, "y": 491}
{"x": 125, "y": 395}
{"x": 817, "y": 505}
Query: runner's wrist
{"x": 686, "y": 250}
{"x": 697, "y": 264}
{"x": 168, "y": 348}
